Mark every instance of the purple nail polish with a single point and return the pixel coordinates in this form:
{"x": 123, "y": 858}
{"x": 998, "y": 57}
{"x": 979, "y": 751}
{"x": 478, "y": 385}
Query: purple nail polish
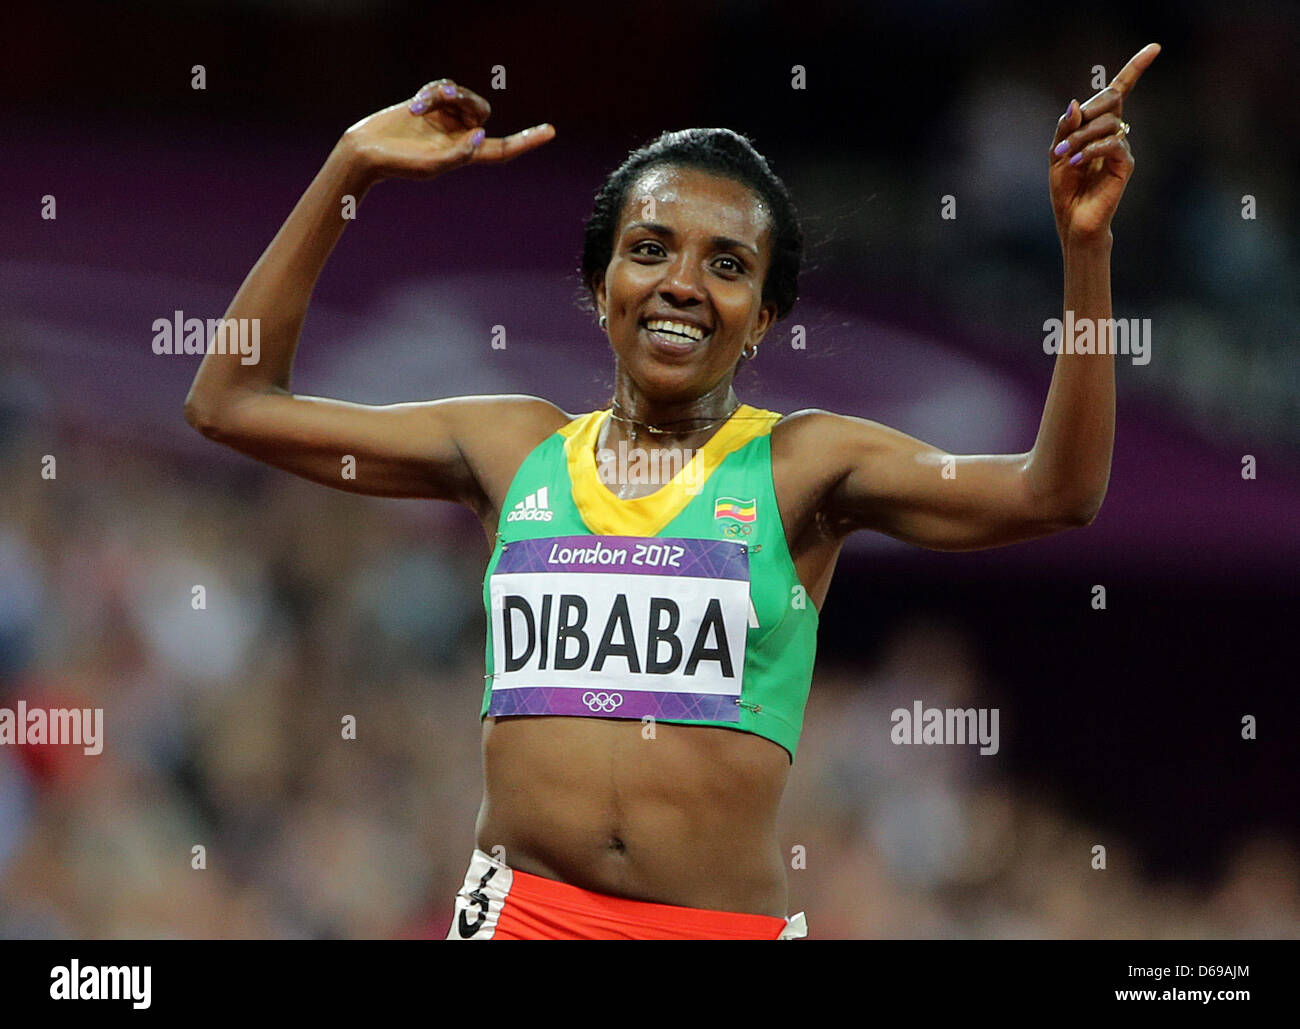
{"x": 448, "y": 90}
{"x": 478, "y": 137}
{"x": 1077, "y": 158}
{"x": 419, "y": 105}
{"x": 1062, "y": 147}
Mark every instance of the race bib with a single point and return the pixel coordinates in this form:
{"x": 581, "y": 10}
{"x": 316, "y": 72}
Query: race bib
{"x": 620, "y": 627}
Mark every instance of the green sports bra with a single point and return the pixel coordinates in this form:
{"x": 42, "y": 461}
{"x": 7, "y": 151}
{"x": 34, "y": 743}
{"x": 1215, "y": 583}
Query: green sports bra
{"x": 682, "y": 606}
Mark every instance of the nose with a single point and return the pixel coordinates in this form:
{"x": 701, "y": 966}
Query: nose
{"x": 682, "y": 283}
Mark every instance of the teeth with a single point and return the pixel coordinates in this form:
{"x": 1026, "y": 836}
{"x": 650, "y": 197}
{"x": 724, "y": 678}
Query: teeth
{"x": 679, "y": 328}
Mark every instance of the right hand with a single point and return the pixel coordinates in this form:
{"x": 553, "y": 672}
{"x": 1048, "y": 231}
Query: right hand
{"x": 433, "y": 133}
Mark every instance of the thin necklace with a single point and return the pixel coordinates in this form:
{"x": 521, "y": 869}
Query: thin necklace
{"x": 657, "y": 430}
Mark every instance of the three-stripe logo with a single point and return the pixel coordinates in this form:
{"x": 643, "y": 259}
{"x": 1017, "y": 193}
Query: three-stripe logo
{"x": 533, "y": 508}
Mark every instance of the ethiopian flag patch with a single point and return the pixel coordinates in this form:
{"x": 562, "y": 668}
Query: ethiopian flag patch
{"x": 730, "y": 507}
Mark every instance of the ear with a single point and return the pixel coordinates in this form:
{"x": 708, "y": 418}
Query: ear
{"x": 766, "y": 319}
{"x": 598, "y": 288}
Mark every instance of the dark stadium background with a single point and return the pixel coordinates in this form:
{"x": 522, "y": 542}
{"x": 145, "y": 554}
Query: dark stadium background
{"x": 1119, "y": 727}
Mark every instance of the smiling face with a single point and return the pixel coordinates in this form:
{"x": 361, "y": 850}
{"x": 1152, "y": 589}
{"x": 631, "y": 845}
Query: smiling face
{"x": 684, "y": 285}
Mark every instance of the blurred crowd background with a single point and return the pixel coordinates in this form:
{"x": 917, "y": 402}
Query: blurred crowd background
{"x": 1119, "y": 728}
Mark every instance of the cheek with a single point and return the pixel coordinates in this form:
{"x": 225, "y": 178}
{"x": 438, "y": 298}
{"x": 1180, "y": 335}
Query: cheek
{"x": 739, "y": 305}
{"x": 625, "y": 282}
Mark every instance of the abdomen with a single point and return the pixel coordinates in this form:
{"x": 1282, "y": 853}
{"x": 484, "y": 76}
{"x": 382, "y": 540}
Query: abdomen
{"x": 687, "y": 816}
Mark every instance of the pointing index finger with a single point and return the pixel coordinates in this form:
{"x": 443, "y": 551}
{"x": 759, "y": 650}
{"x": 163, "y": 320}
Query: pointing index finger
{"x": 500, "y": 150}
{"x": 1111, "y": 98}
{"x": 1129, "y": 74}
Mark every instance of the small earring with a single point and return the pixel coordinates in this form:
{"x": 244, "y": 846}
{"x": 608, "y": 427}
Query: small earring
{"x": 749, "y": 354}
{"x": 604, "y": 323}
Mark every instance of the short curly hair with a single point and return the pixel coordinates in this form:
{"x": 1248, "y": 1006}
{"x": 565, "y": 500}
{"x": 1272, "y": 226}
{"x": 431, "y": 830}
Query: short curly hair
{"x": 722, "y": 152}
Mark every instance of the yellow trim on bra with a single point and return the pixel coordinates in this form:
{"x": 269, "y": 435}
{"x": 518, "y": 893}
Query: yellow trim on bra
{"x": 607, "y": 515}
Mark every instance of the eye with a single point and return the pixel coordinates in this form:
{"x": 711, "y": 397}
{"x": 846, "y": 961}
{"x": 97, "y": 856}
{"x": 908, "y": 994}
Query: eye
{"x": 645, "y": 243}
{"x": 738, "y": 266}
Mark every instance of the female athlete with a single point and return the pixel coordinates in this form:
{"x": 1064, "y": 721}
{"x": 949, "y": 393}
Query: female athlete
{"x": 650, "y": 643}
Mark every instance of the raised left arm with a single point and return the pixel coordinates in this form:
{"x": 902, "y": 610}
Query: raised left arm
{"x": 1069, "y": 465}
{"x": 885, "y": 480}
{"x": 881, "y": 479}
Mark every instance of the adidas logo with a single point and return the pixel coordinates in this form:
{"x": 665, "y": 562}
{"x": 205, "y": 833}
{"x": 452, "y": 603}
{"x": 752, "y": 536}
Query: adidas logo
{"x": 533, "y": 508}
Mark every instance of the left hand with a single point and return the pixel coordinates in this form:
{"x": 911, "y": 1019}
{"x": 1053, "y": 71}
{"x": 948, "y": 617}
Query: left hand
{"x": 1089, "y": 173}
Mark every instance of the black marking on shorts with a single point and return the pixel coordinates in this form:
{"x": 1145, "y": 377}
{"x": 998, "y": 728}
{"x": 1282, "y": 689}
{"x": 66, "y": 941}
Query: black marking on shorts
{"x": 480, "y": 900}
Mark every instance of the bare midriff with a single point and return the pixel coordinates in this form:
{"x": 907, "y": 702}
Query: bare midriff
{"x": 672, "y": 814}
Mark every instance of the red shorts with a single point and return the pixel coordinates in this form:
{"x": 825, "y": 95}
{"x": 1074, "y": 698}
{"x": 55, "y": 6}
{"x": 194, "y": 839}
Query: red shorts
{"x": 499, "y": 903}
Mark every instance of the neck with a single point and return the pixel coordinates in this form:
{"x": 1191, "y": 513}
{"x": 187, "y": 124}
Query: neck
{"x": 674, "y": 419}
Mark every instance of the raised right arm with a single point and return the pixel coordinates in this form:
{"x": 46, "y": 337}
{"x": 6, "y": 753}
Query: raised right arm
{"x": 400, "y": 450}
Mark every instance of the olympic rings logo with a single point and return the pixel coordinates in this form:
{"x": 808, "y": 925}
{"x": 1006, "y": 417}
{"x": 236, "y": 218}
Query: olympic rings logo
{"x": 602, "y": 701}
{"x": 736, "y": 529}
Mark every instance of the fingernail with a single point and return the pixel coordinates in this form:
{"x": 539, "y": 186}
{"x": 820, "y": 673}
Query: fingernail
{"x": 448, "y": 90}
{"x": 1077, "y": 158}
{"x": 1062, "y": 147}
{"x": 1068, "y": 108}
{"x": 478, "y": 137}
{"x": 419, "y": 105}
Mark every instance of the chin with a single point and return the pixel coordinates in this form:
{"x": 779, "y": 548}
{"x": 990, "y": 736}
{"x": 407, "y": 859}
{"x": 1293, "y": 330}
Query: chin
{"x": 661, "y": 381}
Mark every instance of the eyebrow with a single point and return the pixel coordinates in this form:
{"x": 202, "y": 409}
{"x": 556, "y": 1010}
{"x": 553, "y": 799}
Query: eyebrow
{"x": 724, "y": 242}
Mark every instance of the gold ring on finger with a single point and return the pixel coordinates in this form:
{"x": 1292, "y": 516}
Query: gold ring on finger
{"x": 1123, "y": 128}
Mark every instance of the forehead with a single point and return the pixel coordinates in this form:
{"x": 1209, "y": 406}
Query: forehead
{"x": 690, "y": 198}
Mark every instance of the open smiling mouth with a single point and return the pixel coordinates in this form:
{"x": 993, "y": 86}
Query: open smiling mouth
{"x": 674, "y": 337}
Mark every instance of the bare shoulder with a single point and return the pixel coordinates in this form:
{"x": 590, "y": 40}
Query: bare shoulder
{"x": 482, "y": 425}
{"x": 518, "y": 409}
{"x": 827, "y": 441}
{"x": 799, "y": 427}
{"x": 809, "y": 459}
{"x": 815, "y": 453}
{"x": 495, "y": 429}
{"x": 496, "y": 433}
